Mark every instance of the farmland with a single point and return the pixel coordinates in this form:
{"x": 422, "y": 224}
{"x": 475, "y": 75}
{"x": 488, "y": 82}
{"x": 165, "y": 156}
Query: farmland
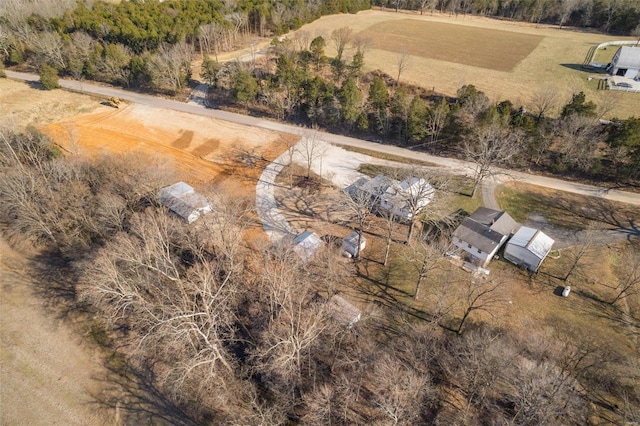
{"x": 441, "y": 58}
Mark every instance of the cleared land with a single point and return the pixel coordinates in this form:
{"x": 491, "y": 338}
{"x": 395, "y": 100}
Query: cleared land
{"x": 554, "y": 62}
{"x": 480, "y": 47}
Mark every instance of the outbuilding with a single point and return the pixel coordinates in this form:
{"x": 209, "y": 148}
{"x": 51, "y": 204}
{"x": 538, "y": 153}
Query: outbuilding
{"x": 351, "y": 241}
{"x": 625, "y": 62}
{"x": 343, "y": 311}
{"x": 306, "y": 244}
{"x": 528, "y": 248}
{"x": 184, "y": 201}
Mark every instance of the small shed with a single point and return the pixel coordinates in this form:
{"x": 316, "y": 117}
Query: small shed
{"x": 528, "y": 248}
{"x": 350, "y": 243}
{"x": 306, "y": 244}
{"x": 184, "y": 201}
{"x": 343, "y": 311}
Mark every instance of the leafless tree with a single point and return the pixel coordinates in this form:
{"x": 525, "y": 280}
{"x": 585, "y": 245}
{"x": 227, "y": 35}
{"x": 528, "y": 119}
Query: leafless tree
{"x": 341, "y": 37}
{"x": 170, "y": 65}
{"x": 437, "y": 119}
{"x": 478, "y": 295}
{"x": 310, "y": 149}
{"x": 577, "y": 139}
{"x": 490, "y": 146}
{"x": 425, "y": 258}
{"x": 628, "y": 275}
{"x": 360, "y": 206}
{"x": 403, "y": 60}
{"x": 545, "y": 100}
{"x": 49, "y": 48}
{"x": 567, "y": 7}
{"x": 78, "y": 51}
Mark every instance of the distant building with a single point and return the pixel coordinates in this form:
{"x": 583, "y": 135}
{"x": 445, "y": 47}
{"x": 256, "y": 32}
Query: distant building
{"x": 344, "y": 311}
{"x": 407, "y": 198}
{"x": 182, "y": 199}
{"x": 528, "y": 248}
{"x": 306, "y": 244}
{"x": 373, "y": 188}
{"x": 625, "y": 62}
{"x": 350, "y": 243}
{"x": 482, "y": 234}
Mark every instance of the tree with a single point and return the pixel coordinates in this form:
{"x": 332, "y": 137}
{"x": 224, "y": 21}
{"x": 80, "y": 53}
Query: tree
{"x": 245, "y": 87}
{"x": 210, "y": 70}
{"x": 49, "y": 77}
{"x": 577, "y": 139}
{"x": 350, "y": 101}
{"x": 416, "y": 119}
{"x": 170, "y": 66}
{"x": 544, "y": 100}
{"x": 360, "y": 206}
{"x": 478, "y": 296}
{"x": 437, "y": 119}
{"x": 310, "y": 150}
{"x": 402, "y": 63}
{"x": 567, "y": 7}
{"x": 490, "y": 146}
{"x": 579, "y": 106}
{"x": 424, "y": 256}
{"x": 317, "y": 52}
{"x": 341, "y": 37}
{"x": 628, "y": 275}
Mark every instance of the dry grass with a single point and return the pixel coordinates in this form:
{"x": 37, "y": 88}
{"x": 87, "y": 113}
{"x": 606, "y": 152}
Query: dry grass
{"x": 480, "y": 47}
{"x": 554, "y": 62}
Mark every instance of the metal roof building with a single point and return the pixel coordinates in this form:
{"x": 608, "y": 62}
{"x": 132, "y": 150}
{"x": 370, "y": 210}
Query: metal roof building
{"x": 528, "y": 248}
{"x": 182, "y": 199}
{"x": 625, "y": 62}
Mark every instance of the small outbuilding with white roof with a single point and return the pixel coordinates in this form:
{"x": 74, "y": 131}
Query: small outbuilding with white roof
{"x": 528, "y": 248}
{"x": 343, "y": 311}
{"x": 350, "y": 243}
{"x": 184, "y": 201}
{"x": 306, "y": 244}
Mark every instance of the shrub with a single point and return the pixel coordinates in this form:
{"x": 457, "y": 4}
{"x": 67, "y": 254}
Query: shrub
{"x": 49, "y": 77}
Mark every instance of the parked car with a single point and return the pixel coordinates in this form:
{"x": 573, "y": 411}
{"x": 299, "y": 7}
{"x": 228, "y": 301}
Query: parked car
{"x": 566, "y": 291}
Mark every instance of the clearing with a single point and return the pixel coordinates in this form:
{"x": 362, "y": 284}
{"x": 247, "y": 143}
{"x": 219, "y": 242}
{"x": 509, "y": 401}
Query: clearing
{"x": 527, "y": 57}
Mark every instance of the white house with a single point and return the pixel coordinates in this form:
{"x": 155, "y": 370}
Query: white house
{"x": 344, "y": 311}
{"x": 372, "y": 188}
{"x": 528, "y": 247}
{"x": 306, "y": 244}
{"x": 350, "y": 243}
{"x": 182, "y": 199}
{"x": 625, "y": 62}
{"x": 482, "y": 234}
{"x": 405, "y": 199}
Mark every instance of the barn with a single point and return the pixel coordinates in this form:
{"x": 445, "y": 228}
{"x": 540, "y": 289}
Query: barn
{"x": 625, "y": 62}
{"x": 184, "y": 201}
{"x": 528, "y": 248}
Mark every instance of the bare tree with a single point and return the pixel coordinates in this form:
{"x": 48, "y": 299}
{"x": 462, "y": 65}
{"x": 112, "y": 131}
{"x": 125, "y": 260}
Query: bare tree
{"x": 403, "y": 60}
{"x": 545, "y": 100}
{"x": 310, "y": 150}
{"x": 170, "y": 65}
{"x": 341, "y": 37}
{"x": 490, "y": 146}
{"x": 567, "y": 7}
{"x": 577, "y": 139}
{"x": 424, "y": 257}
{"x": 478, "y": 296}
{"x": 628, "y": 275}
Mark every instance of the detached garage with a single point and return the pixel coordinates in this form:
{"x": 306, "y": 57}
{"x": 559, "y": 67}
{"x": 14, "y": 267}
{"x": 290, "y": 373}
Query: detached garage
{"x": 528, "y": 248}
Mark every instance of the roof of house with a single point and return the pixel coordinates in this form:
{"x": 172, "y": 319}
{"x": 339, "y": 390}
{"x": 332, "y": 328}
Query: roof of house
{"x": 306, "y": 244}
{"x": 343, "y": 311}
{"x": 499, "y": 221}
{"x": 534, "y": 240}
{"x": 485, "y": 229}
{"x": 628, "y": 57}
{"x": 375, "y": 186}
{"x": 182, "y": 199}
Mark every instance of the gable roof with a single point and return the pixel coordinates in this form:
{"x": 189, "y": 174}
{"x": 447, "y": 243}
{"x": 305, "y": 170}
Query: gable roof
{"x": 375, "y": 187}
{"x": 534, "y": 240}
{"x": 343, "y": 311}
{"x": 628, "y": 57}
{"x": 410, "y": 194}
{"x": 498, "y": 221}
{"x": 182, "y": 199}
{"x": 306, "y": 244}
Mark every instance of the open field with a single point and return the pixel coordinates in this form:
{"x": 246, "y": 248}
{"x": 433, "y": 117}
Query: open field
{"x": 554, "y": 62}
{"x": 479, "y": 47}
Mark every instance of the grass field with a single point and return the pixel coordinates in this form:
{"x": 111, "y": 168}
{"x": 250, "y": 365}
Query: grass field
{"x": 480, "y": 47}
{"x": 530, "y": 57}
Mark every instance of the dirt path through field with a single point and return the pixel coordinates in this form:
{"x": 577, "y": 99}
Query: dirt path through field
{"x": 49, "y": 375}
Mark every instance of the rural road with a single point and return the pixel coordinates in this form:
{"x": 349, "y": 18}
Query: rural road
{"x": 456, "y": 166}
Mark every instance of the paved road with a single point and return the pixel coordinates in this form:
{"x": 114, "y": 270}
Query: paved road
{"x": 456, "y": 166}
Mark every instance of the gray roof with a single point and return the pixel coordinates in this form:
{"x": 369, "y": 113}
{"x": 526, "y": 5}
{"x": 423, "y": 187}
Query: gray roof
{"x": 306, "y": 244}
{"x": 496, "y": 220}
{"x": 344, "y": 311}
{"x": 375, "y": 187}
{"x": 182, "y": 199}
{"x": 628, "y": 57}
{"x": 535, "y": 241}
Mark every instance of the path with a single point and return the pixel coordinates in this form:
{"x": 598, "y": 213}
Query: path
{"x": 455, "y": 166}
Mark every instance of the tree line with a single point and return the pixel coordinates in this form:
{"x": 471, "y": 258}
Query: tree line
{"x": 145, "y": 44}
{"x": 609, "y": 16}
{"x": 299, "y": 82}
{"x": 232, "y": 333}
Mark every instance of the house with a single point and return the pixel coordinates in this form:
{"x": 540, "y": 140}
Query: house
{"x": 528, "y": 248}
{"x": 482, "y": 234}
{"x": 182, "y": 199}
{"x": 350, "y": 243}
{"x": 306, "y": 244}
{"x": 405, "y": 199}
{"x": 369, "y": 188}
{"x": 343, "y": 311}
{"x": 625, "y": 62}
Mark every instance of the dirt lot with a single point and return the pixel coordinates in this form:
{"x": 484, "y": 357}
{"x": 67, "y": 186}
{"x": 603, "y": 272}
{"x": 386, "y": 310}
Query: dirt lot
{"x": 555, "y": 62}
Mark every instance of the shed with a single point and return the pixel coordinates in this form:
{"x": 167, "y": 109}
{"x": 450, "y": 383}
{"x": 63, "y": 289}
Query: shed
{"x": 306, "y": 244}
{"x": 528, "y": 248}
{"x": 343, "y": 311}
{"x": 184, "y": 201}
{"x": 405, "y": 199}
{"x": 350, "y": 243}
{"x": 625, "y": 62}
